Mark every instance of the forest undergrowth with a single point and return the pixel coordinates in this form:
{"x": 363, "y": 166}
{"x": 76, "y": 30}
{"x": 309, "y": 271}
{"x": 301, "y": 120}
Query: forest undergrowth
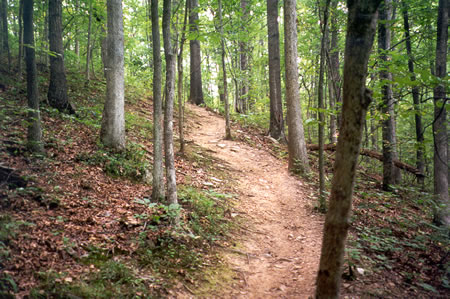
{"x": 84, "y": 226}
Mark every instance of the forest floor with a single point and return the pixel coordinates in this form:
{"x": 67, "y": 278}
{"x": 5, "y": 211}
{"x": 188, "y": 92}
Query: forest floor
{"x": 277, "y": 253}
{"x": 83, "y": 225}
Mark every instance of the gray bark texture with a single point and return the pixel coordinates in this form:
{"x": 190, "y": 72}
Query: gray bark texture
{"x": 298, "y": 156}
{"x": 57, "y": 89}
{"x": 20, "y": 58}
{"x": 334, "y": 83}
{"x": 241, "y": 104}
{"x": 390, "y": 175}
{"x": 420, "y": 160}
{"x": 196, "y": 91}
{"x": 112, "y": 132}
{"x": 168, "y": 112}
{"x": 224, "y": 78}
{"x": 5, "y": 42}
{"x": 180, "y": 80}
{"x": 356, "y": 98}
{"x": 34, "y": 136}
{"x": 158, "y": 192}
{"x": 440, "y": 125}
{"x": 88, "y": 45}
{"x": 276, "y": 128}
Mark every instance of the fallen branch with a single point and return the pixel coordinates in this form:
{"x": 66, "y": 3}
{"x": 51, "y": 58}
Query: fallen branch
{"x": 371, "y": 154}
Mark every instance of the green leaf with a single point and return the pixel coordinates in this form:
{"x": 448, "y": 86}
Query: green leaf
{"x": 428, "y": 287}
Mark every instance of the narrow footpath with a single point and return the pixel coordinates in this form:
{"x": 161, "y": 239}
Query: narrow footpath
{"x": 279, "y": 247}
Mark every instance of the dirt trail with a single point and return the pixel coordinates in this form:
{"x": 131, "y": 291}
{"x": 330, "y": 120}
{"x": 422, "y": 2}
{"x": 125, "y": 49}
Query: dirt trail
{"x": 280, "y": 247}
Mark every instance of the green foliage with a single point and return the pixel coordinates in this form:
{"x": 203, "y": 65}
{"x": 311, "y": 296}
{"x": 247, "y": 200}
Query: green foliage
{"x": 130, "y": 163}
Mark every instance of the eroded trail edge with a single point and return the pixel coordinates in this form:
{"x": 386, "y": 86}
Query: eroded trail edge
{"x": 278, "y": 251}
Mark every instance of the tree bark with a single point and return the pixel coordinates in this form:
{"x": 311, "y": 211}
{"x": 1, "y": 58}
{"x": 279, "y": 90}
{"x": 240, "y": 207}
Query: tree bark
{"x": 321, "y": 106}
{"x": 20, "y": 58}
{"x": 88, "y": 45}
{"x": 77, "y": 38}
{"x": 224, "y": 77}
{"x": 180, "y": 80}
{"x": 420, "y": 159}
{"x": 5, "y": 46}
{"x": 243, "y": 50}
{"x": 34, "y": 136}
{"x": 196, "y": 91}
{"x": 112, "y": 133}
{"x": 298, "y": 157}
{"x": 334, "y": 84}
{"x": 440, "y": 125}
{"x": 390, "y": 177}
{"x": 57, "y": 90}
{"x": 168, "y": 112}
{"x": 276, "y": 128}
{"x": 360, "y": 34}
{"x": 158, "y": 192}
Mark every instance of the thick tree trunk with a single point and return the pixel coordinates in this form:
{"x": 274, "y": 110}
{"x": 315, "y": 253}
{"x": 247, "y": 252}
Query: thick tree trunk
{"x": 298, "y": 157}
{"x": 390, "y": 177}
{"x": 57, "y": 90}
{"x": 420, "y": 160}
{"x": 276, "y": 128}
{"x": 321, "y": 106}
{"x": 225, "y": 85}
{"x": 360, "y": 34}
{"x": 112, "y": 132}
{"x": 5, "y": 45}
{"x": 440, "y": 125}
{"x": 196, "y": 91}
{"x": 168, "y": 112}
{"x": 158, "y": 192}
{"x": 34, "y": 136}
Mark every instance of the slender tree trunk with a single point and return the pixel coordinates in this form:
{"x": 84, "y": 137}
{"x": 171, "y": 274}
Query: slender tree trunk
{"x": 34, "y": 136}
{"x": 276, "y": 129}
{"x": 88, "y": 46}
{"x": 225, "y": 85}
{"x": 420, "y": 160}
{"x": 5, "y": 46}
{"x": 243, "y": 50}
{"x": 20, "y": 58}
{"x": 389, "y": 145}
{"x": 112, "y": 133}
{"x": 46, "y": 32}
{"x": 158, "y": 172}
{"x": 180, "y": 80}
{"x": 57, "y": 90}
{"x": 168, "y": 112}
{"x": 360, "y": 34}
{"x": 196, "y": 90}
{"x": 322, "y": 200}
{"x": 440, "y": 125}
{"x": 334, "y": 84}
{"x": 77, "y": 32}
{"x": 298, "y": 157}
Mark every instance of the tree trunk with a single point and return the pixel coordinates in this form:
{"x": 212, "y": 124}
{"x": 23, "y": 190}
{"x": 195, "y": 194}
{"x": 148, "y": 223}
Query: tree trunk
{"x": 57, "y": 90}
{"x": 88, "y": 46}
{"x": 112, "y": 132}
{"x": 34, "y": 136}
{"x": 360, "y": 34}
{"x": 158, "y": 192}
{"x": 388, "y": 129}
{"x": 321, "y": 106}
{"x": 243, "y": 49}
{"x": 225, "y": 85}
{"x": 180, "y": 80}
{"x": 5, "y": 46}
{"x": 276, "y": 129}
{"x": 196, "y": 91}
{"x": 298, "y": 157}
{"x": 168, "y": 112}
{"x": 420, "y": 160}
{"x": 77, "y": 38}
{"x": 334, "y": 84}
{"x": 440, "y": 126}
{"x": 20, "y": 58}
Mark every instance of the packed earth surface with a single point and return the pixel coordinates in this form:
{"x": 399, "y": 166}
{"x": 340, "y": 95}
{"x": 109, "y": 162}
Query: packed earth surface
{"x": 277, "y": 254}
